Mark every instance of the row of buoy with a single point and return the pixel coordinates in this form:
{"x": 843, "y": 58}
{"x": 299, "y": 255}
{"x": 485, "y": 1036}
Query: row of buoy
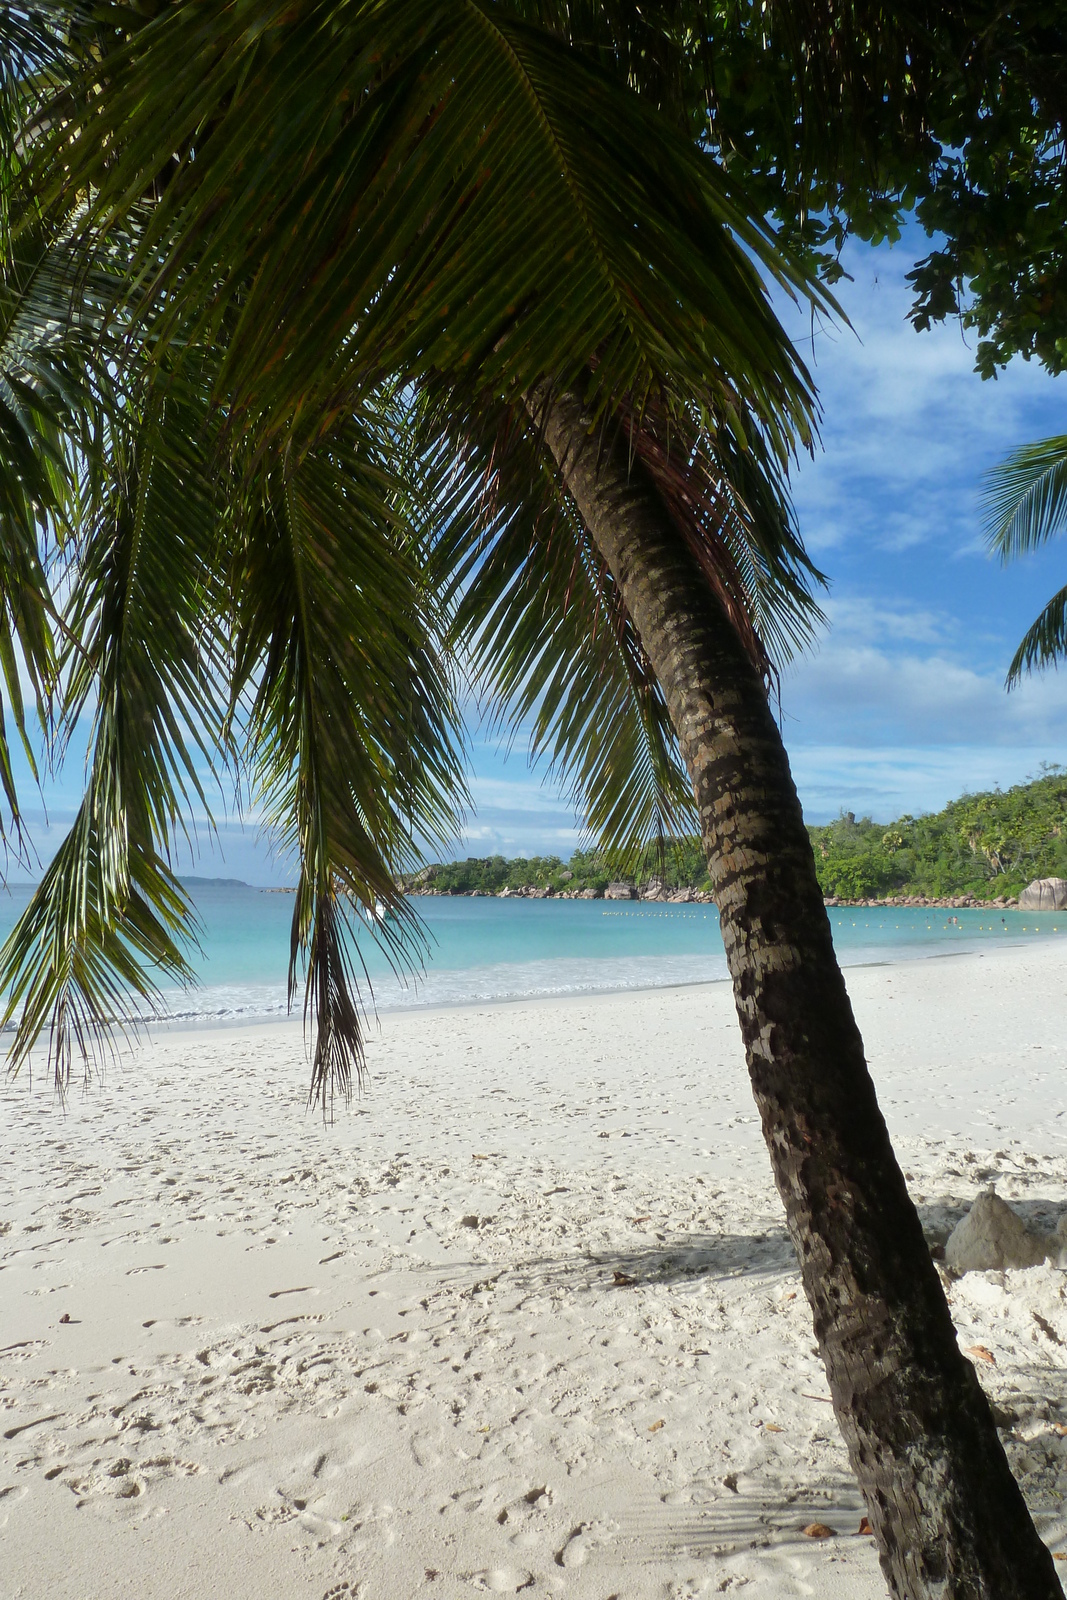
{"x": 689, "y": 916}
{"x": 959, "y": 927}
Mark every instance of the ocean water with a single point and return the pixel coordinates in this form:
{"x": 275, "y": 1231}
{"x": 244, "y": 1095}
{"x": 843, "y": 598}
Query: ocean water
{"x": 486, "y": 950}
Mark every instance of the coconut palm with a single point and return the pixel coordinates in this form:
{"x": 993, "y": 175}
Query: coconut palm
{"x": 316, "y": 206}
{"x": 1025, "y": 506}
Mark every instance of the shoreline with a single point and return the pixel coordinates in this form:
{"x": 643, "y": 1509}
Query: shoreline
{"x": 872, "y": 957}
{"x": 492, "y": 1003}
{"x": 683, "y": 897}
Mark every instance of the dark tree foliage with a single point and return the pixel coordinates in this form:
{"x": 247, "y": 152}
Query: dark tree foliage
{"x": 955, "y": 112}
{"x": 844, "y": 117}
{"x": 678, "y": 864}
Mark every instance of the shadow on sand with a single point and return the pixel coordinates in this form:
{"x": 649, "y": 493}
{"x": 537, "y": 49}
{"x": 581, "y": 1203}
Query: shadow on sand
{"x": 723, "y": 1523}
{"x": 670, "y": 1260}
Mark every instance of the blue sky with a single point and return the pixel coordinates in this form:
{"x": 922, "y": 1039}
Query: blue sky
{"x": 901, "y": 706}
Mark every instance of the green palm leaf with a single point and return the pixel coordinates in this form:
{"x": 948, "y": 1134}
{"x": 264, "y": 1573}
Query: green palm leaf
{"x": 543, "y": 626}
{"x": 99, "y": 929}
{"x": 140, "y": 658}
{"x": 1025, "y": 505}
{"x": 45, "y": 391}
{"x": 1025, "y": 499}
{"x": 388, "y": 190}
{"x": 348, "y": 712}
{"x": 546, "y": 638}
{"x": 1044, "y": 642}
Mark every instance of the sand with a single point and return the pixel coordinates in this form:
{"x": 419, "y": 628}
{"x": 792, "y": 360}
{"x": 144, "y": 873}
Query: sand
{"x": 390, "y": 1359}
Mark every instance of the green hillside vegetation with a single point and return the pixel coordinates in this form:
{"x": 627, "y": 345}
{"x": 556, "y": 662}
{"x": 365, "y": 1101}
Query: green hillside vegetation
{"x": 982, "y": 844}
{"x": 681, "y": 865}
{"x": 987, "y": 845}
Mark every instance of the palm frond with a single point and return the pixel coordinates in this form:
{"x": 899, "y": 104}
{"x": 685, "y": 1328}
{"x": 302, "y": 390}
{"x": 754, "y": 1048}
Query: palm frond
{"x": 35, "y": 483}
{"x": 35, "y": 62}
{"x": 141, "y": 658}
{"x": 1044, "y": 643}
{"x": 1025, "y": 499}
{"x": 100, "y": 930}
{"x": 55, "y": 387}
{"x": 349, "y": 715}
{"x": 546, "y": 636}
{"x": 543, "y": 625}
{"x": 727, "y": 495}
{"x": 405, "y": 189}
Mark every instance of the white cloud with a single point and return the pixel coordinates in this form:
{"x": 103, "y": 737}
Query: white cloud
{"x": 908, "y": 427}
{"x": 525, "y": 792}
{"x": 874, "y": 695}
{"x": 859, "y": 616}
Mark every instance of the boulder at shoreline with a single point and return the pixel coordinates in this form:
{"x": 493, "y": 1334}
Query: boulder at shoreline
{"x": 1044, "y": 894}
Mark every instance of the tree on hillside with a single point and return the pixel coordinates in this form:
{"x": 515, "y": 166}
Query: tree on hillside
{"x": 317, "y": 204}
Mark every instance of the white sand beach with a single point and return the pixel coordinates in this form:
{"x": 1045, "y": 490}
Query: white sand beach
{"x": 389, "y": 1359}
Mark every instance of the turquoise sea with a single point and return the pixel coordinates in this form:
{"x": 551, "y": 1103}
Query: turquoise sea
{"x": 484, "y": 950}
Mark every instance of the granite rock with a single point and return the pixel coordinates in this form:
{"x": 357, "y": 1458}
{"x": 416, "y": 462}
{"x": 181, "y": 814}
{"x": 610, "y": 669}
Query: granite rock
{"x": 1044, "y": 894}
{"x": 620, "y": 891}
{"x": 992, "y": 1237}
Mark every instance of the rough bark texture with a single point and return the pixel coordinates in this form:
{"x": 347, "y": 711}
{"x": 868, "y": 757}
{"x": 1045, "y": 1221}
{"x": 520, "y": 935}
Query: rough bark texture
{"x": 948, "y": 1516}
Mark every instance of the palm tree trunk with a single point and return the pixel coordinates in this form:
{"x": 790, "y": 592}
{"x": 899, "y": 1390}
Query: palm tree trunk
{"x": 948, "y": 1516}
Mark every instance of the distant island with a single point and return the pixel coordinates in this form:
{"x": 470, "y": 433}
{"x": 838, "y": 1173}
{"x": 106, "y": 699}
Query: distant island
{"x": 981, "y": 849}
{"x": 214, "y": 883}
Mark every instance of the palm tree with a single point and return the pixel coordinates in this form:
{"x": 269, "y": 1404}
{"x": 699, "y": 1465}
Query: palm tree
{"x": 1026, "y": 505}
{"x": 314, "y": 206}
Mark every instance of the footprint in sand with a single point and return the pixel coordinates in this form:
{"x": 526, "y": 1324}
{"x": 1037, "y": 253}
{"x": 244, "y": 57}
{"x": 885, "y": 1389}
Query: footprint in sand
{"x": 576, "y": 1549}
{"x": 169, "y": 1467}
{"x": 427, "y": 1449}
{"x": 24, "y": 1350}
{"x": 321, "y": 1527}
{"x": 8, "y": 1497}
{"x": 502, "y": 1580}
{"x": 274, "y": 1515}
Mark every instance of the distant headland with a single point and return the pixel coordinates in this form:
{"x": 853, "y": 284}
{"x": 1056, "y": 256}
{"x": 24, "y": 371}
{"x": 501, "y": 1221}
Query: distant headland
{"x": 981, "y": 850}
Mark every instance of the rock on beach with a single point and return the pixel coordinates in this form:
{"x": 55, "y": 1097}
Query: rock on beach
{"x": 1044, "y": 894}
{"x": 992, "y": 1237}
